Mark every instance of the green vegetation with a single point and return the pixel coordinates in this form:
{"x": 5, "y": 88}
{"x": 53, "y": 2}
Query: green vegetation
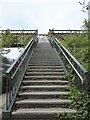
{"x": 11, "y": 40}
{"x": 78, "y": 46}
{"x": 8, "y": 39}
{"x": 81, "y": 102}
{"x": 14, "y": 40}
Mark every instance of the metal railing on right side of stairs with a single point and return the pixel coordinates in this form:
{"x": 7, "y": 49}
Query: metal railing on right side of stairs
{"x": 15, "y": 75}
{"x": 69, "y": 60}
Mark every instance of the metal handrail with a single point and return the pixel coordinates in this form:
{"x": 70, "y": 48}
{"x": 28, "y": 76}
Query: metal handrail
{"x": 19, "y": 58}
{"x": 67, "y": 31}
{"x": 72, "y": 57}
{"x": 16, "y": 73}
{"x": 20, "y": 31}
{"x": 78, "y": 69}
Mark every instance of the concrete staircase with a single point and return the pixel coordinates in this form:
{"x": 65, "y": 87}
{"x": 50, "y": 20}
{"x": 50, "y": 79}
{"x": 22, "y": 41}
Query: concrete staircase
{"x": 43, "y": 94}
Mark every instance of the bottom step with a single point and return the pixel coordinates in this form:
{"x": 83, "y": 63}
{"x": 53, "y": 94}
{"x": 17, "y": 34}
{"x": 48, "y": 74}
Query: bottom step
{"x": 38, "y": 113}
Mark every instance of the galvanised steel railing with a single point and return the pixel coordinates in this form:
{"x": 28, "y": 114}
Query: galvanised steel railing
{"x": 66, "y": 31}
{"x": 16, "y": 73}
{"x": 69, "y": 61}
{"x": 20, "y": 31}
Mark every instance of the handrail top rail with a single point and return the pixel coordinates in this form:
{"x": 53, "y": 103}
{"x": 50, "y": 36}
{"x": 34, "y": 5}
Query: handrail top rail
{"x": 10, "y": 68}
{"x": 67, "y": 30}
{"x": 18, "y": 30}
{"x": 73, "y": 58}
{"x": 72, "y": 65}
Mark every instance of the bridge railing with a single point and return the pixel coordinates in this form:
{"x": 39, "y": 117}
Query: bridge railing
{"x": 20, "y": 31}
{"x": 69, "y": 61}
{"x": 16, "y": 73}
{"x": 66, "y": 31}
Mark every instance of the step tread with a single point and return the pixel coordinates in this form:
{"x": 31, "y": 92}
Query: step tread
{"x": 47, "y": 81}
{"x": 44, "y": 60}
{"x": 44, "y": 101}
{"x": 46, "y": 86}
{"x": 32, "y": 62}
{"x": 44, "y": 111}
{"x": 45, "y": 70}
{"x": 45, "y": 64}
{"x": 44, "y": 67}
{"x": 43, "y": 76}
{"x": 57, "y": 73}
{"x": 45, "y": 93}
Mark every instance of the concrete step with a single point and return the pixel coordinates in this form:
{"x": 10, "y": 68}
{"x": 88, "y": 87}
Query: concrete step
{"x": 44, "y": 67}
{"x": 49, "y": 57}
{"x": 45, "y": 64}
{"x": 44, "y": 73}
{"x": 43, "y": 53}
{"x": 45, "y": 88}
{"x": 48, "y": 77}
{"x": 43, "y": 103}
{"x": 43, "y": 95}
{"x": 47, "y": 52}
{"x": 39, "y": 113}
{"x": 45, "y": 70}
{"x": 44, "y": 60}
{"x": 43, "y": 77}
{"x": 45, "y": 82}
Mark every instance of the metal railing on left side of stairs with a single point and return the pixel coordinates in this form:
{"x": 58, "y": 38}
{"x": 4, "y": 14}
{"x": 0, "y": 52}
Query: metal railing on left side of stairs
{"x": 15, "y": 75}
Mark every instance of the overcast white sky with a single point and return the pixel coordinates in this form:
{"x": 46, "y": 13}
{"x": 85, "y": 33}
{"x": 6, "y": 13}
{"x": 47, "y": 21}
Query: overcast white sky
{"x": 41, "y": 14}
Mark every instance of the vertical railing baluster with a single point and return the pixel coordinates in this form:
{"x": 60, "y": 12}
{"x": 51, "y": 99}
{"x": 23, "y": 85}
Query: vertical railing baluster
{"x": 7, "y": 90}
